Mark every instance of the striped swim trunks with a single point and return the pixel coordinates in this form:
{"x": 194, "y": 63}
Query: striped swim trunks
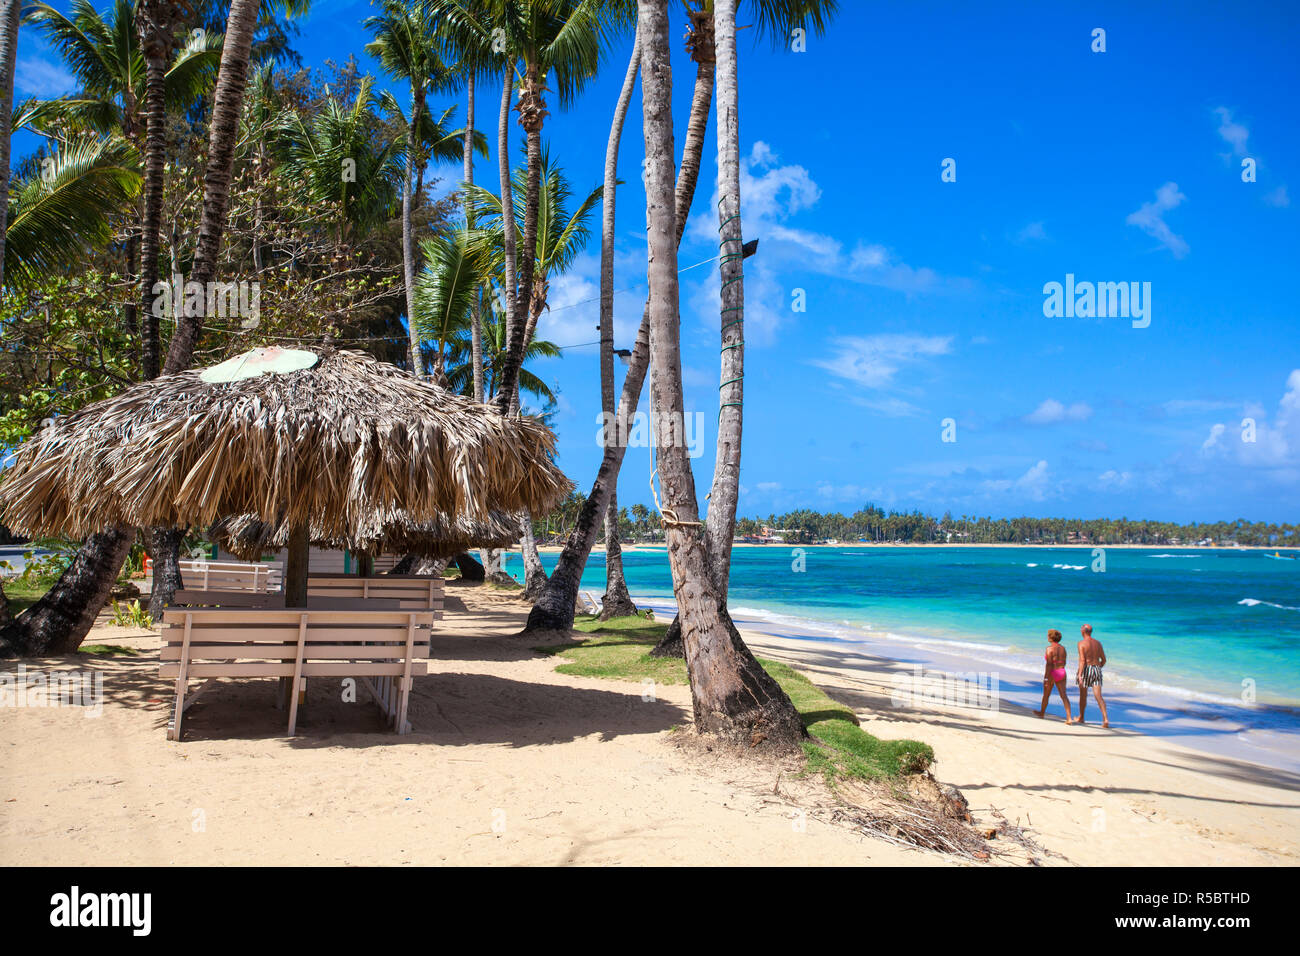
{"x": 1091, "y": 675}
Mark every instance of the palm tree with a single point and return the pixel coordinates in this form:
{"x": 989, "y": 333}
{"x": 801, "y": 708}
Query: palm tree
{"x": 155, "y": 20}
{"x": 406, "y": 45}
{"x": 561, "y": 233}
{"x": 471, "y": 61}
{"x": 560, "y": 237}
{"x": 731, "y": 694}
{"x": 554, "y": 607}
{"x": 58, "y": 622}
{"x": 446, "y": 291}
{"x": 227, "y": 102}
{"x": 10, "y": 13}
{"x": 617, "y": 602}
{"x": 460, "y": 372}
{"x": 335, "y": 158}
{"x": 62, "y": 205}
{"x": 779, "y": 18}
{"x": 555, "y": 42}
{"x": 118, "y": 84}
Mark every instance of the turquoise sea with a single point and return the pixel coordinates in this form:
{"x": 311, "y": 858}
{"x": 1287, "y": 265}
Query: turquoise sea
{"x": 1206, "y": 636}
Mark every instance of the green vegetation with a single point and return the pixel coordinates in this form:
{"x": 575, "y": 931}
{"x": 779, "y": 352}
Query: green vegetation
{"x": 23, "y": 595}
{"x": 109, "y": 650}
{"x": 838, "y": 748}
{"x": 130, "y": 615}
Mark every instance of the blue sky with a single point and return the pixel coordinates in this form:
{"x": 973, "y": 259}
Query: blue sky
{"x": 924, "y": 299}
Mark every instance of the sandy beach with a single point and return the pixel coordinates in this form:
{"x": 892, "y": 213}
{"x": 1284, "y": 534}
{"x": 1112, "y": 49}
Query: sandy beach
{"x": 512, "y": 763}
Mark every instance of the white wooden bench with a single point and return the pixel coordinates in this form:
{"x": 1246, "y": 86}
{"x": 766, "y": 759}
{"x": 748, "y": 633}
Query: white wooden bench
{"x": 389, "y": 646}
{"x": 275, "y": 599}
{"x": 424, "y": 592}
{"x": 202, "y": 575}
{"x": 199, "y": 597}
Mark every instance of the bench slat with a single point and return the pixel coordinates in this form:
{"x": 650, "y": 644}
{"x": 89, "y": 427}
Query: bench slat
{"x": 285, "y": 669}
{"x": 275, "y": 652}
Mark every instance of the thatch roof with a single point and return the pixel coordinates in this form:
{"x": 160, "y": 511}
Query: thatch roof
{"x": 248, "y": 537}
{"x": 336, "y": 446}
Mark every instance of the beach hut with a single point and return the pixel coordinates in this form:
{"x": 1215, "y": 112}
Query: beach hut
{"x": 327, "y": 444}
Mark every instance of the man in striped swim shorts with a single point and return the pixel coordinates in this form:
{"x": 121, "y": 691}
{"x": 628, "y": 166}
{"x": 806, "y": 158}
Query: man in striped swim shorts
{"x": 1092, "y": 658}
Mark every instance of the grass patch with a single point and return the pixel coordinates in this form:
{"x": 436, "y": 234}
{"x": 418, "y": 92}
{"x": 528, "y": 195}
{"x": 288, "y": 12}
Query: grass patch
{"x": 108, "y": 650}
{"x": 838, "y": 747}
{"x": 22, "y": 596}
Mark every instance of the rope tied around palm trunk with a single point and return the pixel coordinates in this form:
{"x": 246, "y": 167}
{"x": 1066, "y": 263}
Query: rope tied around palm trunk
{"x": 724, "y": 258}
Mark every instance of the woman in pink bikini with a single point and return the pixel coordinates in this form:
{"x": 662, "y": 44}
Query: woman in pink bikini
{"x": 1054, "y": 673}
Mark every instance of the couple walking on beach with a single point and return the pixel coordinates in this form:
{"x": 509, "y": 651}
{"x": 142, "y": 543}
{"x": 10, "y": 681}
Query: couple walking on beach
{"x": 1092, "y": 658}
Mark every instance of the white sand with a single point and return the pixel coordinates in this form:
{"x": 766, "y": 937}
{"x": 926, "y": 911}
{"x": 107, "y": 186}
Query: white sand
{"x": 512, "y": 763}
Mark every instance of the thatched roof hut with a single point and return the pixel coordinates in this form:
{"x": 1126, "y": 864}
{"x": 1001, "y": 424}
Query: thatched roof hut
{"x": 248, "y": 537}
{"x": 328, "y": 440}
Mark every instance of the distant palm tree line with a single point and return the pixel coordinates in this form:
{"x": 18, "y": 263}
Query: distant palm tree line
{"x": 873, "y": 524}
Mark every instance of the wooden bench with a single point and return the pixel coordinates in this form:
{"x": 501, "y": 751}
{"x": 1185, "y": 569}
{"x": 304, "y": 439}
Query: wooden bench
{"x": 293, "y": 644}
{"x": 201, "y": 575}
{"x": 187, "y": 597}
{"x": 415, "y": 591}
{"x": 275, "y": 599}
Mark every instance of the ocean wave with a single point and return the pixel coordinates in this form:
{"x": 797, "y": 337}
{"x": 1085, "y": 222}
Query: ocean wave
{"x": 1255, "y": 602}
{"x": 1070, "y": 567}
{"x": 1032, "y": 564}
{"x": 1173, "y": 555}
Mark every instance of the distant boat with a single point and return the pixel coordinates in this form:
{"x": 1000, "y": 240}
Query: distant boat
{"x": 1283, "y": 557}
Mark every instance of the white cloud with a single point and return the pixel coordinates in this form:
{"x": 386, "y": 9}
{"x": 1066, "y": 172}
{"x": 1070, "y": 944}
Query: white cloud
{"x": 1051, "y": 411}
{"x": 1033, "y": 484}
{"x": 1231, "y": 132}
{"x": 874, "y": 360}
{"x": 1276, "y": 443}
{"x": 771, "y": 194}
{"x": 36, "y": 76}
{"x": 1150, "y": 219}
{"x": 767, "y": 487}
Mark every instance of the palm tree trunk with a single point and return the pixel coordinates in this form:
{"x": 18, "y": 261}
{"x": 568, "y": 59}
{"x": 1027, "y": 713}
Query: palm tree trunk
{"x": 59, "y": 621}
{"x": 720, "y": 526}
{"x": 232, "y": 77}
{"x": 553, "y": 609}
{"x": 617, "y": 601}
{"x": 531, "y": 114}
{"x": 9, "y": 16}
{"x": 534, "y": 573}
{"x": 731, "y": 695}
{"x": 507, "y": 204}
{"x": 476, "y": 312}
{"x": 408, "y": 250}
{"x": 153, "y": 20}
